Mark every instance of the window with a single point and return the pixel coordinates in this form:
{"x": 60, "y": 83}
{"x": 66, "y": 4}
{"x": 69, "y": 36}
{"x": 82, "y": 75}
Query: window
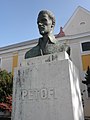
{"x": 85, "y": 61}
{"x": 15, "y": 61}
{"x": 85, "y": 46}
{"x": 82, "y": 23}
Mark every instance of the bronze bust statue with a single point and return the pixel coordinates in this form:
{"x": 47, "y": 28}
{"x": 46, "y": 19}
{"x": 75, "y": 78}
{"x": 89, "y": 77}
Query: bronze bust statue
{"x": 47, "y": 44}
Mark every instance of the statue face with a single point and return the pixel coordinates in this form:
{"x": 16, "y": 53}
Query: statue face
{"x": 44, "y": 24}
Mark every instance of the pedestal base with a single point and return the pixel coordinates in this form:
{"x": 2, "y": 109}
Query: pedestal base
{"x": 47, "y": 91}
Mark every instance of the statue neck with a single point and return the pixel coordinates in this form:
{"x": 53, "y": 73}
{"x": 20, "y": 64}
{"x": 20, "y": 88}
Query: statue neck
{"x": 45, "y": 39}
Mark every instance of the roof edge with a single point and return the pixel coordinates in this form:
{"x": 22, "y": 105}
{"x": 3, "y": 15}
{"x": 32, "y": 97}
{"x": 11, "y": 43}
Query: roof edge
{"x": 72, "y": 16}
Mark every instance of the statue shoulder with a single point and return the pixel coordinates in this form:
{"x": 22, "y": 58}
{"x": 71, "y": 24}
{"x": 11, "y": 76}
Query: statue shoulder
{"x": 33, "y": 52}
{"x": 63, "y": 47}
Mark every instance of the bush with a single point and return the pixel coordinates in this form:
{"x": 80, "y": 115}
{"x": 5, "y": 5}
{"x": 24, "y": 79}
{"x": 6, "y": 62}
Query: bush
{"x": 6, "y": 82}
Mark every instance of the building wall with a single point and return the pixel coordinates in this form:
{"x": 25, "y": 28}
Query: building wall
{"x": 12, "y": 56}
{"x": 6, "y": 62}
{"x": 79, "y": 23}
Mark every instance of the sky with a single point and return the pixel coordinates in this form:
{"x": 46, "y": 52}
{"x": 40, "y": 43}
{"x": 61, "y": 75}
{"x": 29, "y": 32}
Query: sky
{"x": 18, "y": 18}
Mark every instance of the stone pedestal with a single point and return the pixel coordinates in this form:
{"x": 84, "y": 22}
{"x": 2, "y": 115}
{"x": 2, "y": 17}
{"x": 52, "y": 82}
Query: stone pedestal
{"x": 47, "y": 88}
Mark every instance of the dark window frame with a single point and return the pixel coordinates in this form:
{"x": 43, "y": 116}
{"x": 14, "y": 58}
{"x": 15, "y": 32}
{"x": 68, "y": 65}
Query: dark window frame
{"x": 85, "y": 46}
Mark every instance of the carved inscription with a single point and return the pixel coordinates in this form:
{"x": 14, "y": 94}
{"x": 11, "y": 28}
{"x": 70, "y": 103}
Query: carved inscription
{"x": 52, "y": 58}
{"x": 37, "y": 94}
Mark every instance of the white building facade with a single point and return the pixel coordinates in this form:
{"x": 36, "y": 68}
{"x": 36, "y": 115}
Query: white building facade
{"x": 77, "y": 35}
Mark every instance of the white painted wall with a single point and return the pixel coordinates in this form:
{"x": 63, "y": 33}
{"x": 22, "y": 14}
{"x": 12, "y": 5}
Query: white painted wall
{"x": 79, "y": 23}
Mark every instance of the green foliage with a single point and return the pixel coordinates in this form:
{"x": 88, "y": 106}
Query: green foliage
{"x": 87, "y": 77}
{"x": 6, "y": 81}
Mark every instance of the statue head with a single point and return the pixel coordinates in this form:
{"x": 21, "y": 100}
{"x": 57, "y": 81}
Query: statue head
{"x": 46, "y": 22}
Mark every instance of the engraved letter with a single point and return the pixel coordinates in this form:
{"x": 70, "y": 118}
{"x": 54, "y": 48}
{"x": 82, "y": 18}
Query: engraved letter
{"x": 43, "y": 93}
{"x": 24, "y": 94}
